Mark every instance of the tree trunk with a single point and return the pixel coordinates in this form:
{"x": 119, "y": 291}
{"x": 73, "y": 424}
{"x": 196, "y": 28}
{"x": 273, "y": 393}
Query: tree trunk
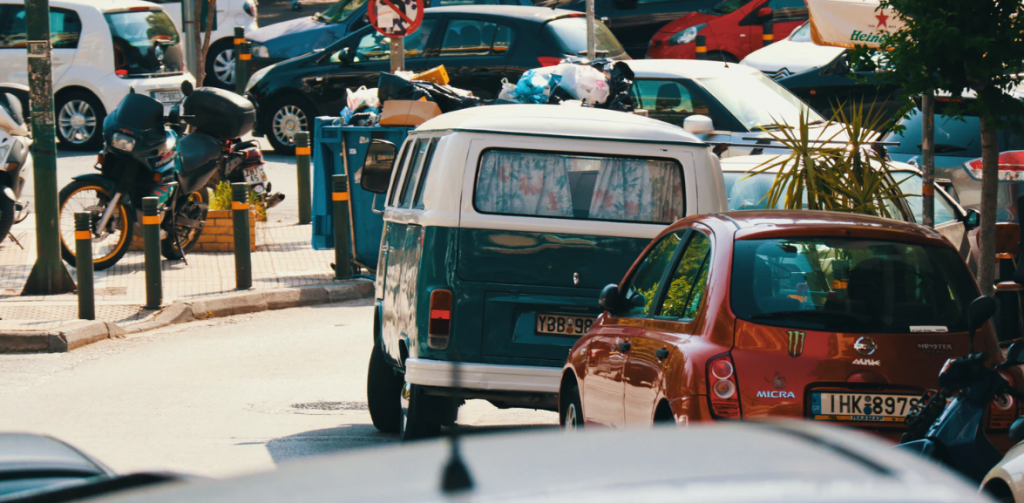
{"x": 989, "y": 192}
{"x": 204, "y": 49}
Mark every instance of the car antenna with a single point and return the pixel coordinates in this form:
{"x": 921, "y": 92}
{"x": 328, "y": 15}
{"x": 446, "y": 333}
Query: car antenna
{"x": 456, "y": 477}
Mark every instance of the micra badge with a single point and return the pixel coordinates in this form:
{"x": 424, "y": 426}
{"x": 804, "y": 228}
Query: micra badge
{"x": 796, "y": 342}
{"x": 776, "y": 394}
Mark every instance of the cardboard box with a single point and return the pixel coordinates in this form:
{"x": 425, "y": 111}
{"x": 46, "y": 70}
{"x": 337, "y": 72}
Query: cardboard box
{"x": 437, "y": 75}
{"x": 408, "y": 113}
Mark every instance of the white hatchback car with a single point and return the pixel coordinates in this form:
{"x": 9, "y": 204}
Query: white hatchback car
{"x": 101, "y": 50}
{"x": 220, "y": 58}
{"x": 792, "y": 55}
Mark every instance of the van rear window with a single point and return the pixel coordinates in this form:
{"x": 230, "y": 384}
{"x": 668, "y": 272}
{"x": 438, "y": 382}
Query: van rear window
{"x": 579, "y": 186}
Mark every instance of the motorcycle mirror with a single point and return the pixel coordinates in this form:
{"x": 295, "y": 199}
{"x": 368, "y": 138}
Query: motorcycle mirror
{"x": 1015, "y": 355}
{"x": 186, "y": 88}
{"x": 1016, "y": 433}
{"x": 980, "y": 311}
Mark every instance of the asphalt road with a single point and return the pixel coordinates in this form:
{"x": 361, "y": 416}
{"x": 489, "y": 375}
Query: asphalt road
{"x": 218, "y": 397}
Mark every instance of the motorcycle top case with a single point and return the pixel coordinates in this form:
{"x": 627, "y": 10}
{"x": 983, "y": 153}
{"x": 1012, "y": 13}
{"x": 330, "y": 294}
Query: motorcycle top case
{"x": 219, "y": 113}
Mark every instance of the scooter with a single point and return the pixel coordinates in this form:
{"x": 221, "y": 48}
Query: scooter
{"x": 14, "y": 161}
{"x": 954, "y": 434}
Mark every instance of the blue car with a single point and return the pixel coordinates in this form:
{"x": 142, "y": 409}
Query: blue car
{"x": 289, "y": 39}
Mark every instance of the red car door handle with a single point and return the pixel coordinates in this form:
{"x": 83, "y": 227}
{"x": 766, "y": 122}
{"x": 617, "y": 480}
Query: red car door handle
{"x": 624, "y": 346}
{"x": 661, "y": 353}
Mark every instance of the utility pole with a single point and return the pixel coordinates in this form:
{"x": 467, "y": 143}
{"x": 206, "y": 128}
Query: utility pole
{"x": 49, "y": 276}
{"x": 190, "y": 25}
{"x": 397, "y": 54}
{"x": 591, "y": 47}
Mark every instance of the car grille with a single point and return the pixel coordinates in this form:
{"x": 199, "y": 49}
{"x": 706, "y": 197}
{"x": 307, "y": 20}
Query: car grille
{"x": 781, "y": 74}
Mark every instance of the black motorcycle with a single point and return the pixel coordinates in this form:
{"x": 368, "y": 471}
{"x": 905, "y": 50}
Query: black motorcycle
{"x": 954, "y": 434}
{"x": 144, "y": 157}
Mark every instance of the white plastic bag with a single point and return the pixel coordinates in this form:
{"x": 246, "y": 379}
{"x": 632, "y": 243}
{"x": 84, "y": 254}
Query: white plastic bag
{"x": 508, "y": 90}
{"x": 362, "y": 98}
{"x": 585, "y": 83}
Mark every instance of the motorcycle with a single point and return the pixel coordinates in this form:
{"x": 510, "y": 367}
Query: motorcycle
{"x": 14, "y": 161}
{"x": 145, "y": 155}
{"x": 948, "y": 425}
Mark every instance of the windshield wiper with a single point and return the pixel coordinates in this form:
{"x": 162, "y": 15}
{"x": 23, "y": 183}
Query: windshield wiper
{"x": 813, "y": 315}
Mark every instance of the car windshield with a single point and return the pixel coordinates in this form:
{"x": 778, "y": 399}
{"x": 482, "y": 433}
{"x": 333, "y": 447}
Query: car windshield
{"x": 850, "y": 285}
{"x": 571, "y": 34}
{"x": 801, "y": 34}
{"x": 340, "y": 11}
{"x": 757, "y": 101}
{"x": 728, "y": 6}
{"x": 145, "y": 43}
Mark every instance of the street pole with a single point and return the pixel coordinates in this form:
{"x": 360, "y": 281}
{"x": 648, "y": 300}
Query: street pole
{"x": 591, "y": 49}
{"x": 928, "y": 158}
{"x": 48, "y": 276}
{"x": 191, "y": 27}
{"x": 397, "y": 54}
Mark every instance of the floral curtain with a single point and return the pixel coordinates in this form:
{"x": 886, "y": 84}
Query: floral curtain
{"x": 524, "y": 183}
{"x": 638, "y": 190}
{"x": 667, "y": 185}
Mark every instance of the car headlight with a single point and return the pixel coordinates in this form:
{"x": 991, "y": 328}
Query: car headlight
{"x": 123, "y": 142}
{"x": 686, "y": 36}
{"x": 256, "y": 77}
{"x": 260, "y": 50}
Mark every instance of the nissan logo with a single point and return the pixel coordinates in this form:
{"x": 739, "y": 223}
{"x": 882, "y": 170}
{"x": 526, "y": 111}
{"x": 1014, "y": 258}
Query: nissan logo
{"x": 865, "y": 346}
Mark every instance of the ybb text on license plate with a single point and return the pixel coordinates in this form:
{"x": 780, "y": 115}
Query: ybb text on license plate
{"x": 559, "y": 324}
{"x": 872, "y": 407}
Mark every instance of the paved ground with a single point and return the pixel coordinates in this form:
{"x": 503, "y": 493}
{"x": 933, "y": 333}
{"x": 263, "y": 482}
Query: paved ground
{"x": 284, "y": 259}
{"x": 217, "y": 397}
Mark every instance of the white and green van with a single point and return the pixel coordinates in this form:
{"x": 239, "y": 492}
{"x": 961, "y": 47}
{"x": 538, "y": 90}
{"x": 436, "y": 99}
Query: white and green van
{"x": 501, "y": 226}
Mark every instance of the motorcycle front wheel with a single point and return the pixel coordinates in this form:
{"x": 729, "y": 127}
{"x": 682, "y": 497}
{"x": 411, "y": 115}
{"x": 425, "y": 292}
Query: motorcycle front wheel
{"x": 112, "y": 242}
{"x": 194, "y": 207}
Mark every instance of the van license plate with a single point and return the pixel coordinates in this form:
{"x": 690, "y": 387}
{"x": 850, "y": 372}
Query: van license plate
{"x": 558, "y": 324}
{"x": 869, "y": 407}
{"x": 168, "y": 96}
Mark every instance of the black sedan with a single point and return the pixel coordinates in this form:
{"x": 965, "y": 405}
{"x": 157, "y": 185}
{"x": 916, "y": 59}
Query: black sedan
{"x": 32, "y": 462}
{"x": 478, "y": 45}
{"x": 842, "y": 84}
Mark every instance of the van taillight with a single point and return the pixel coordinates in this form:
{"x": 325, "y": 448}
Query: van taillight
{"x": 548, "y": 60}
{"x": 723, "y": 390}
{"x": 440, "y": 325}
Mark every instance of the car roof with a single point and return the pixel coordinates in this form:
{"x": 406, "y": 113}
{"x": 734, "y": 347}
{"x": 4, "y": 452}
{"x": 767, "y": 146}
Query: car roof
{"x": 689, "y": 68}
{"x": 749, "y": 224}
{"x": 23, "y": 452}
{"x": 744, "y": 163}
{"x": 736, "y": 462}
{"x": 104, "y": 5}
{"x": 524, "y": 12}
{"x": 560, "y": 121}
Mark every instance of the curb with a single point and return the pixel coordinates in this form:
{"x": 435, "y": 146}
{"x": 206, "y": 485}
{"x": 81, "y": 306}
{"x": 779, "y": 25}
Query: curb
{"x": 76, "y": 335}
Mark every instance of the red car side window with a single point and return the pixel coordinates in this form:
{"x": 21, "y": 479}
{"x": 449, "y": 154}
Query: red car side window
{"x": 686, "y": 288}
{"x": 643, "y": 286}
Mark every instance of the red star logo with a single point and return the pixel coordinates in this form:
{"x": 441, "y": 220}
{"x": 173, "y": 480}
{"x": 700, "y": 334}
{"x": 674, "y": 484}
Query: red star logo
{"x": 882, "y": 20}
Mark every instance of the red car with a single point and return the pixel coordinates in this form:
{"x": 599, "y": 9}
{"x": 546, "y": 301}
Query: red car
{"x": 732, "y": 29}
{"x": 826, "y": 316}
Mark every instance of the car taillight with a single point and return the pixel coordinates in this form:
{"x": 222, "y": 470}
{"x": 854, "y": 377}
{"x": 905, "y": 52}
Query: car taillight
{"x": 722, "y": 388}
{"x": 548, "y": 60}
{"x": 440, "y": 324}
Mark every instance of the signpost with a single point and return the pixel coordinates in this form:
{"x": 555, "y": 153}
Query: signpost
{"x": 396, "y": 19}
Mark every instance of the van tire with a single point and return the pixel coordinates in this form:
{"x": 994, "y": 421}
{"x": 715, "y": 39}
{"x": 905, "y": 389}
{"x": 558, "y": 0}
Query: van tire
{"x": 383, "y": 386}
{"x": 421, "y": 413}
{"x": 570, "y": 415}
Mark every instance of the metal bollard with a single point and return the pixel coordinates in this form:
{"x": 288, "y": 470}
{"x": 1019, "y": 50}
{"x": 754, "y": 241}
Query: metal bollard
{"x": 151, "y": 242}
{"x": 302, "y": 152}
{"x": 239, "y": 40}
{"x": 242, "y": 68}
{"x": 342, "y": 235}
{"x": 702, "y": 48}
{"x": 83, "y": 259}
{"x": 240, "y": 214}
{"x": 768, "y": 35}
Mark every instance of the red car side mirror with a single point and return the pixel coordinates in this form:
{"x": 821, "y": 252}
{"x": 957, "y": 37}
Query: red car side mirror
{"x": 765, "y": 12}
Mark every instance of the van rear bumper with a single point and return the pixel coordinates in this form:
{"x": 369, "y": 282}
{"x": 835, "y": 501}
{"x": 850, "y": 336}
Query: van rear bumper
{"x": 483, "y": 376}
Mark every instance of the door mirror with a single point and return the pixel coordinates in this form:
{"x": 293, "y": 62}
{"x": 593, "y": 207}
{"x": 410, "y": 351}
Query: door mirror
{"x": 624, "y": 4}
{"x": 765, "y": 13}
{"x": 981, "y": 310}
{"x": 376, "y": 171}
{"x": 699, "y": 124}
{"x": 1016, "y": 433}
{"x": 971, "y": 219}
{"x": 610, "y": 300}
{"x": 186, "y": 88}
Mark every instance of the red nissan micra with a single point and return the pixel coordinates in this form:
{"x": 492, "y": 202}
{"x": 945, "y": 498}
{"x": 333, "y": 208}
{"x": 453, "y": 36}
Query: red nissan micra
{"x": 826, "y": 316}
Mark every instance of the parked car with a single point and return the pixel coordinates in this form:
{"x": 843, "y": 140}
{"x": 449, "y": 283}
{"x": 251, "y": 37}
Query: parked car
{"x": 101, "y": 50}
{"x": 1005, "y": 482}
{"x": 289, "y": 95}
{"x": 732, "y": 29}
{"x": 220, "y": 58}
{"x": 289, "y": 39}
{"x": 501, "y": 225}
{"x": 842, "y": 84}
{"x": 721, "y": 103}
{"x": 794, "y": 54}
{"x": 31, "y": 462}
{"x": 831, "y": 317}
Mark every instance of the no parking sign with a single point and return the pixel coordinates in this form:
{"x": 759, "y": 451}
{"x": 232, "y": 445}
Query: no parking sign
{"x": 396, "y": 18}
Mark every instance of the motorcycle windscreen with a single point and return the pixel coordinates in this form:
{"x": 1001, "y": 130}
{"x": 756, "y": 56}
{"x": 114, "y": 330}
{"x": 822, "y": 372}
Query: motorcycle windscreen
{"x": 845, "y": 330}
{"x": 552, "y": 229}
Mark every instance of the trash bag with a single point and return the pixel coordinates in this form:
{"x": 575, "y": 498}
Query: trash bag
{"x": 346, "y": 115}
{"x": 620, "y": 86}
{"x": 393, "y": 87}
{"x": 448, "y": 98}
{"x": 361, "y": 98}
{"x": 584, "y": 83}
{"x": 368, "y": 117}
{"x": 508, "y": 91}
{"x": 533, "y": 86}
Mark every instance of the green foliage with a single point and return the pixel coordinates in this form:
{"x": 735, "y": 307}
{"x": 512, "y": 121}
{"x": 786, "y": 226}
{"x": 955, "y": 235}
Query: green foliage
{"x": 687, "y": 285}
{"x": 258, "y": 205}
{"x": 221, "y": 197}
{"x": 825, "y": 173}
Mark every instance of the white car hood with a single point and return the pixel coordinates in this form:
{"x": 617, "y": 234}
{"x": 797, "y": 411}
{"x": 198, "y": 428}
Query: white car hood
{"x": 794, "y": 57}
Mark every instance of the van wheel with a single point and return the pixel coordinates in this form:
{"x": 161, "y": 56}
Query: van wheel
{"x": 79, "y": 121}
{"x": 571, "y": 415}
{"x": 420, "y": 413}
{"x": 383, "y": 386}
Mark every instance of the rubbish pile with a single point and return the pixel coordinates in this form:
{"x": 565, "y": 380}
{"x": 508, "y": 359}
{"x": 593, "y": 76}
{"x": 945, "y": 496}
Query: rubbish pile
{"x": 408, "y": 99}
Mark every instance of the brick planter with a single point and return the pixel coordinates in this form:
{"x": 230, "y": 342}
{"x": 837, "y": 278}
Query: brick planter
{"x": 218, "y": 235}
